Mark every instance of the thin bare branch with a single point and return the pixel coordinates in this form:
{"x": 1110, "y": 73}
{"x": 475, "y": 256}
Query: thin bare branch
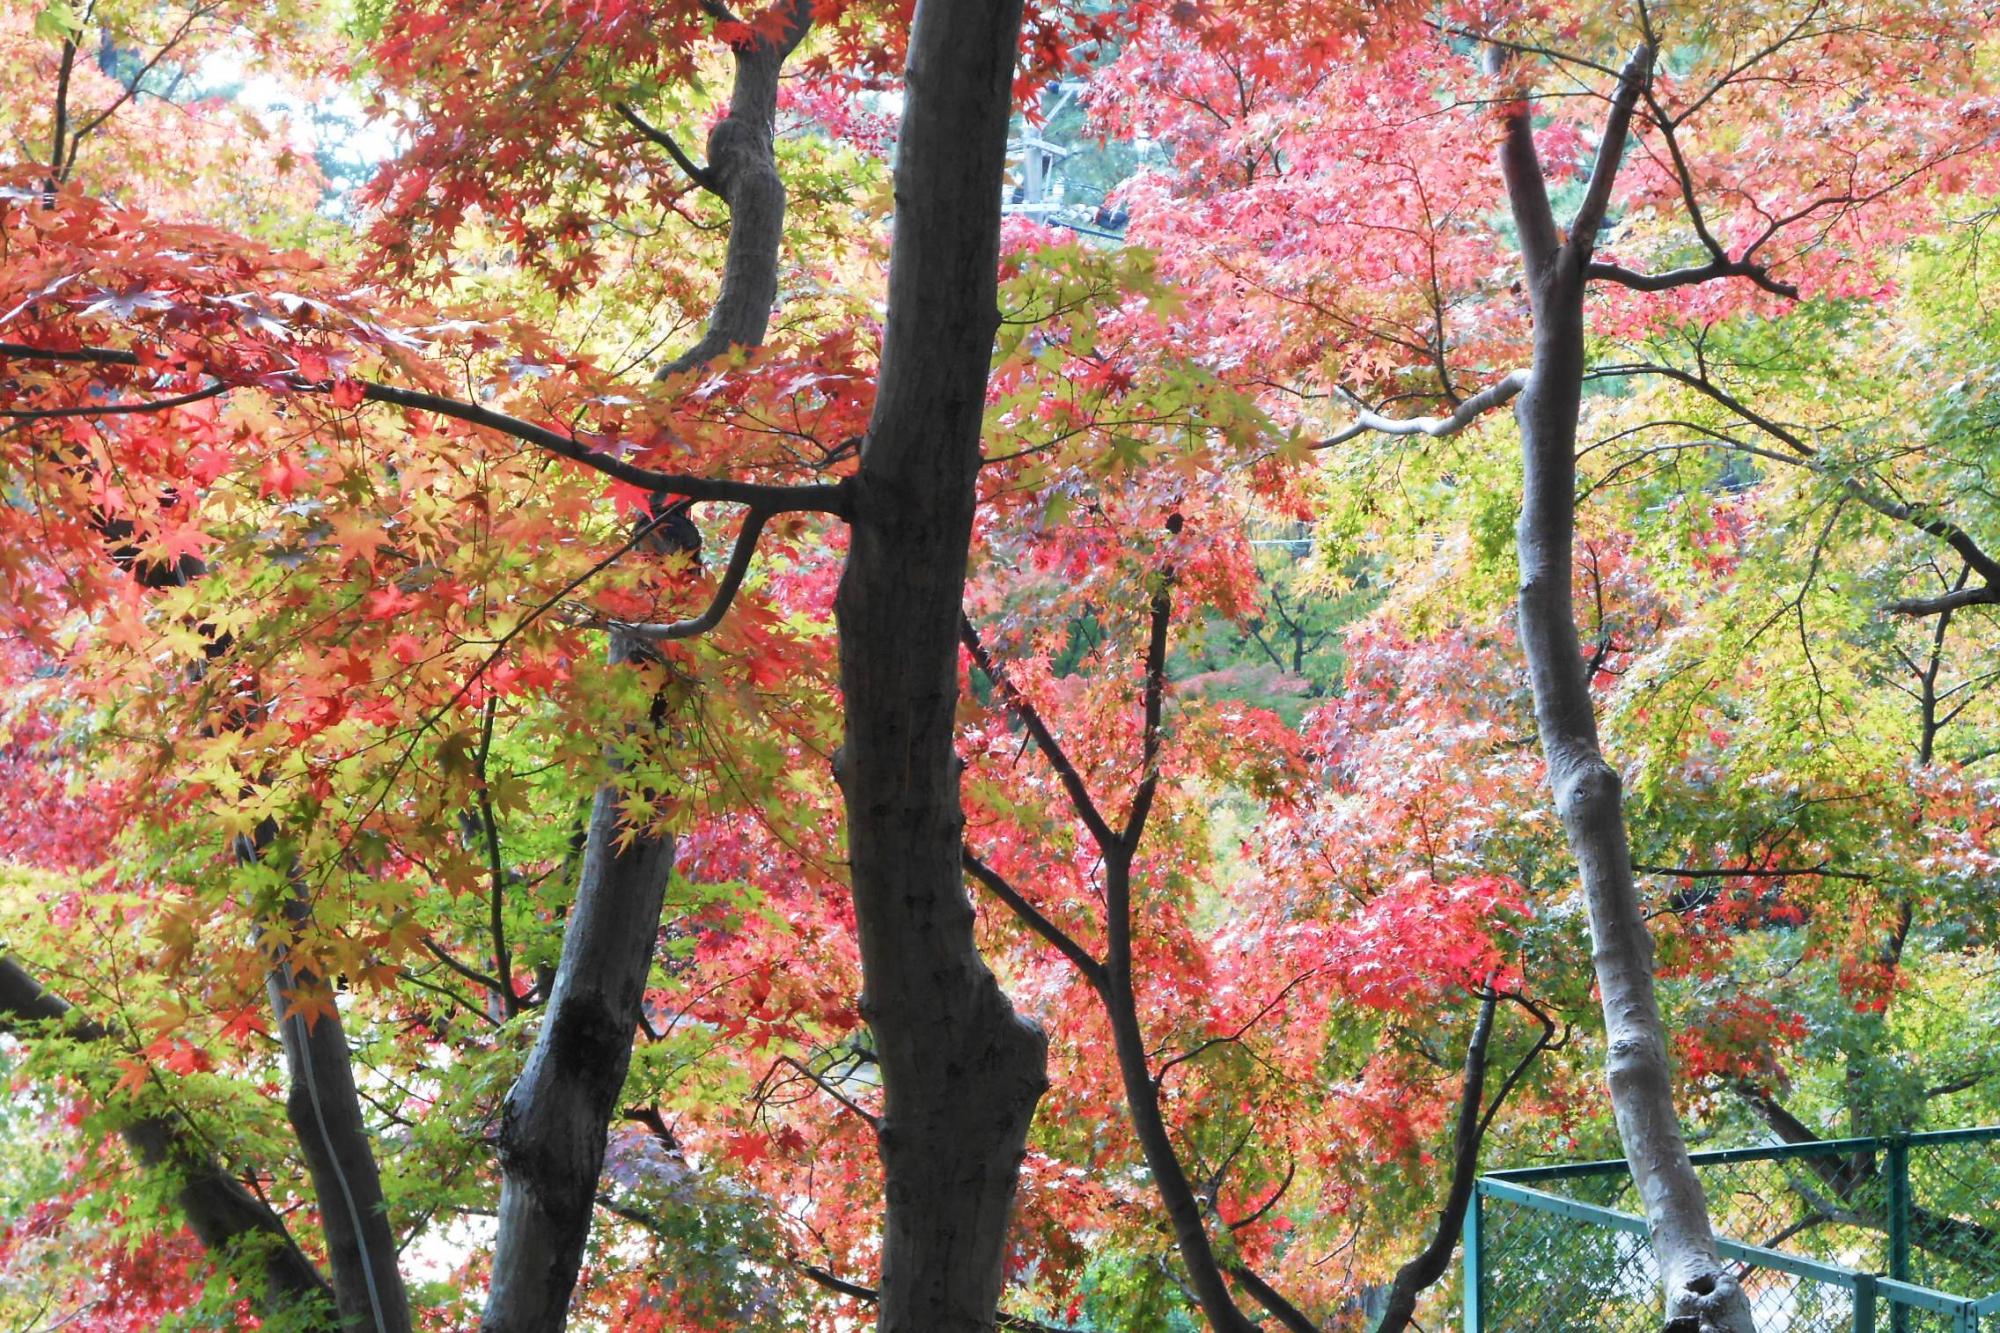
{"x": 1033, "y": 918}
{"x": 867, "y": 1117}
{"x": 1820, "y": 871}
{"x": 1493, "y": 395}
{"x": 113, "y": 409}
{"x": 725, "y": 593}
{"x": 1045, "y": 740}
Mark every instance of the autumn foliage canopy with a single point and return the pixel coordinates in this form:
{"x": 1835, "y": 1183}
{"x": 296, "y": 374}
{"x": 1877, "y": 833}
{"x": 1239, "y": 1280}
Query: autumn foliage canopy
{"x": 425, "y": 423}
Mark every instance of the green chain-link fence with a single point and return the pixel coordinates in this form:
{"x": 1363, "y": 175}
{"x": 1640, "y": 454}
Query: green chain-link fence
{"x": 1899, "y": 1234}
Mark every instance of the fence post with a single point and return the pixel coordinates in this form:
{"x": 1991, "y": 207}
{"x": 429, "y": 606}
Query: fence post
{"x": 1864, "y": 1303}
{"x": 1474, "y": 1296}
{"x": 1899, "y": 1224}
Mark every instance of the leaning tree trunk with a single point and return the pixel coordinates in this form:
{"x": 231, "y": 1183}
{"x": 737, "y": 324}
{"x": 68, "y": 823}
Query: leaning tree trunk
{"x": 961, "y": 1072}
{"x": 230, "y": 1222}
{"x": 322, "y": 1102}
{"x": 324, "y": 1108}
{"x": 1701, "y": 1294}
{"x": 557, "y": 1116}
{"x": 553, "y": 1125}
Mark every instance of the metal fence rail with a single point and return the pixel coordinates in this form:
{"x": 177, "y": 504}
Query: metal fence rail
{"x": 1896, "y": 1234}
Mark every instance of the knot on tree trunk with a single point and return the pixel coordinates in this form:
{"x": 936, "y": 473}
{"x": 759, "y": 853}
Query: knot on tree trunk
{"x": 1709, "y": 1302}
{"x": 1591, "y": 787}
{"x": 735, "y": 147}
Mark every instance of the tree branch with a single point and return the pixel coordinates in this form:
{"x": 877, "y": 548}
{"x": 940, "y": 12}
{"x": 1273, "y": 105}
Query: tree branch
{"x": 132, "y": 88}
{"x": 113, "y": 409}
{"x": 725, "y": 592}
{"x": 1954, "y": 536}
{"x": 219, "y": 1210}
{"x": 818, "y": 497}
{"x": 1492, "y": 396}
{"x": 503, "y": 964}
{"x": 1753, "y": 872}
{"x": 1021, "y": 707}
{"x": 470, "y": 973}
{"x": 1589, "y": 217}
{"x": 1521, "y": 169}
{"x": 701, "y": 176}
{"x": 1273, "y": 1301}
{"x": 1203, "y": 1047}
{"x": 1153, "y": 703}
{"x": 1429, "y": 1265}
{"x": 1985, "y": 595}
{"x": 1689, "y": 276}
{"x": 868, "y": 1118}
{"x": 61, "y": 131}
{"x": 1032, "y": 917}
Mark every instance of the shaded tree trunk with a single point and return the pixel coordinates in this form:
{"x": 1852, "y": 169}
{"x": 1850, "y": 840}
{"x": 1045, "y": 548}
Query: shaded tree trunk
{"x": 1700, "y": 1293}
{"x": 1416, "y": 1276}
{"x": 557, "y": 1115}
{"x": 325, "y": 1113}
{"x": 742, "y": 171}
{"x": 961, "y": 1072}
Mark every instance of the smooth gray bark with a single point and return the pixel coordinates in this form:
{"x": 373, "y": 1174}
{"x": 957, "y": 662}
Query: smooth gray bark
{"x": 961, "y": 1072}
{"x": 227, "y": 1218}
{"x": 1700, "y": 1292}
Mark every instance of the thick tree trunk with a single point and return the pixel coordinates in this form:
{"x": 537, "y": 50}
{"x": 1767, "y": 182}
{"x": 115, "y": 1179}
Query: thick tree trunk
{"x": 325, "y": 1112}
{"x": 961, "y": 1071}
{"x": 743, "y": 171}
{"x": 1588, "y": 793}
{"x": 558, "y": 1113}
{"x": 228, "y": 1219}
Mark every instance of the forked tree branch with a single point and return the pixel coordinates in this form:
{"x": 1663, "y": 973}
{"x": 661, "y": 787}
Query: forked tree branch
{"x": 1022, "y": 707}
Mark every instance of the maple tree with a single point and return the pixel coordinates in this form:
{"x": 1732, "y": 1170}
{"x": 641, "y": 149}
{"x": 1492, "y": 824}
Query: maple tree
{"x": 948, "y": 902}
